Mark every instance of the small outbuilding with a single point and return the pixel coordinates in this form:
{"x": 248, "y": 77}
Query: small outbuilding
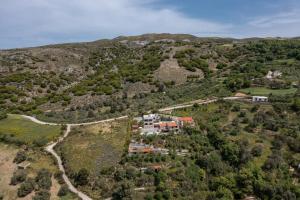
{"x": 23, "y": 165}
{"x": 260, "y": 99}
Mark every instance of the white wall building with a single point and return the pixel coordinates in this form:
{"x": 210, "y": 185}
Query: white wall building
{"x": 260, "y": 99}
{"x": 149, "y": 121}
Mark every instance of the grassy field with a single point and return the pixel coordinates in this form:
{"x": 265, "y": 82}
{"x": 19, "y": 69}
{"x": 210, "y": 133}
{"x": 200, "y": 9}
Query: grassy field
{"x": 266, "y": 91}
{"x": 19, "y": 129}
{"x": 96, "y": 146}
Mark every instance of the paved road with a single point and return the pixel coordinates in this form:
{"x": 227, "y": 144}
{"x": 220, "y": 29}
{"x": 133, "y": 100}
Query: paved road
{"x": 50, "y": 147}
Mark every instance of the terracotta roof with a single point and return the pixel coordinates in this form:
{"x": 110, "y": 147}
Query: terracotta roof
{"x": 156, "y": 167}
{"x": 168, "y": 124}
{"x": 140, "y": 149}
{"x": 186, "y": 119}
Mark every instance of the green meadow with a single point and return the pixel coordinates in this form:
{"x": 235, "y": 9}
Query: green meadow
{"x": 266, "y": 91}
{"x": 16, "y": 129}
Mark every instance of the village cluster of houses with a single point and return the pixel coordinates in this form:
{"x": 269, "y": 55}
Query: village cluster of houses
{"x": 156, "y": 124}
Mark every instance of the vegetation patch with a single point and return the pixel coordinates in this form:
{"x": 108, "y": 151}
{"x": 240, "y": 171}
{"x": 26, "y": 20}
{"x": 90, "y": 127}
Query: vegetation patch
{"x": 16, "y": 129}
{"x": 90, "y": 149}
{"x": 267, "y": 91}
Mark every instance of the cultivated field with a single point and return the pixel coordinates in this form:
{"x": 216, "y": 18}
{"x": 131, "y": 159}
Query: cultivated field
{"x": 266, "y": 91}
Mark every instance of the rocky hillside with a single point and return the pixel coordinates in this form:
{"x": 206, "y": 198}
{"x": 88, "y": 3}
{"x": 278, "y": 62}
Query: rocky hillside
{"x": 109, "y": 77}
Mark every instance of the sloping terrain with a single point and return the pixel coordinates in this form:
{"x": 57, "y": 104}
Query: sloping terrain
{"x": 170, "y": 71}
{"x": 83, "y": 81}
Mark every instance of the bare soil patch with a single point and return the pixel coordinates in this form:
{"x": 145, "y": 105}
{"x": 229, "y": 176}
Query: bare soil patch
{"x": 170, "y": 70}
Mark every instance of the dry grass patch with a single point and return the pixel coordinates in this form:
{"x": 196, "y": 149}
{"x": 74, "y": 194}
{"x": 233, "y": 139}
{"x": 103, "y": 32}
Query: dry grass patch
{"x": 95, "y": 146}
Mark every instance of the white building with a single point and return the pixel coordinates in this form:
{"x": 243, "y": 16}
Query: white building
{"x": 260, "y": 99}
{"x": 273, "y": 74}
{"x": 149, "y": 120}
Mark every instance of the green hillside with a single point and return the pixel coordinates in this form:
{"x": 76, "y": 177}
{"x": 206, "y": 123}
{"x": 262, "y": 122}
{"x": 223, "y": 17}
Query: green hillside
{"x": 77, "y": 82}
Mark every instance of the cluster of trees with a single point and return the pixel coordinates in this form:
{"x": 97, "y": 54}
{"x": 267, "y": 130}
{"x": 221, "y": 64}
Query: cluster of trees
{"x": 220, "y": 164}
{"x": 41, "y": 184}
{"x": 188, "y": 58}
{"x": 81, "y": 178}
{"x": 241, "y": 76}
{"x": 117, "y": 65}
{"x": 3, "y": 115}
{"x": 254, "y": 59}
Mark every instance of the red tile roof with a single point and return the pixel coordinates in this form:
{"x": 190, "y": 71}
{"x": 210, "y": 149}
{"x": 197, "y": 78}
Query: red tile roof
{"x": 186, "y": 119}
{"x": 168, "y": 124}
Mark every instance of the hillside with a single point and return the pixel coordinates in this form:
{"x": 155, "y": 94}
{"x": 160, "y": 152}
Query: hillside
{"x": 209, "y": 148}
{"x": 83, "y": 81}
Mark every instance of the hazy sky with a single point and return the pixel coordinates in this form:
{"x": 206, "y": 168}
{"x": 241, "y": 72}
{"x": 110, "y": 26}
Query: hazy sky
{"x": 26, "y": 23}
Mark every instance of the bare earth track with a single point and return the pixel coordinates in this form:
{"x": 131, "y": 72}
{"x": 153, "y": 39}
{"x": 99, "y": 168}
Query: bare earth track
{"x": 50, "y": 147}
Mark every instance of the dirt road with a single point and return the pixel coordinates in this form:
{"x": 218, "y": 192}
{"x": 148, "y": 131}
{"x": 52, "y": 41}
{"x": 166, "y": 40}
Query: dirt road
{"x": 50, "y": 147}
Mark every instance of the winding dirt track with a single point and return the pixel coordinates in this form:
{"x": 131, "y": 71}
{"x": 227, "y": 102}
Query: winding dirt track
{"x": 50, "y": 147}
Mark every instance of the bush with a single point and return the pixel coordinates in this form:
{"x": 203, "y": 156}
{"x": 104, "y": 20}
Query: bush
{"x": 43, "y": 179}
{"x": 236, "y": 108}
{"x": 19, "y": 176}
{"x": 59, "y": 177}
{"x": 242, "y": 114}
{"x": 63, "y": 191}
{"x": 3, "y": 115}
{"x": 221, "y": 65}
{"x": 40, "y": 142}
{"x": 296, "y": 104}
{"x": 82, "y": 177}
{"x": 26, "y": 188}
{"x": 257, "y": 150}
{"x": 20, "y": 157}
{"x": 42, "y": 195}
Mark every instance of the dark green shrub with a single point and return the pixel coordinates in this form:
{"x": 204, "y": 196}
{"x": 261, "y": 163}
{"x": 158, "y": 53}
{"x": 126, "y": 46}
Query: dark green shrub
{"x": 42, "y": 195}
{"x": 20, "y": 157}
{"x": 19, "y": 176}
{"x": 26, "y": 188}
{"x": 43, "y": 179}
{"x": 63, "y": 191}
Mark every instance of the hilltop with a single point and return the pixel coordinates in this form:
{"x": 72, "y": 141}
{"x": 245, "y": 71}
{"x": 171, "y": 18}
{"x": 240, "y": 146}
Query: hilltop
{"x": 81, "y": 81}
